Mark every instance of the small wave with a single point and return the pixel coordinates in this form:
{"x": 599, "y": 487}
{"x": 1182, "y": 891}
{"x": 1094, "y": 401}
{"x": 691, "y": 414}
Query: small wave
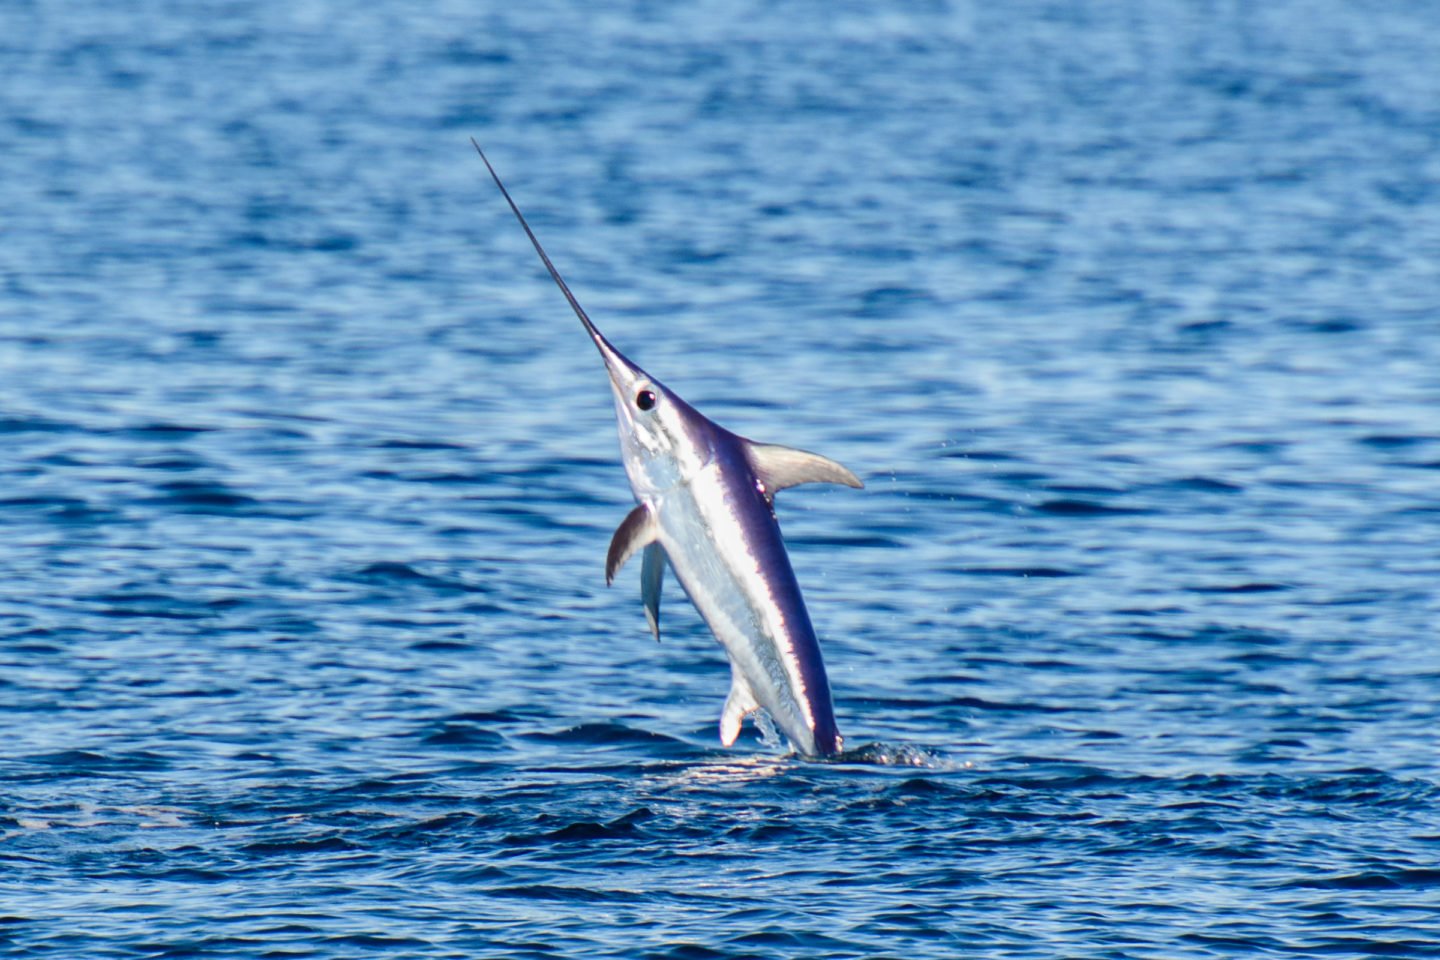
{"x": 601, "y": 734}
{"x": 585, "y": 831}
{"x": 1373, "y": 880}
{"x": 392, "y": 573}
{"x": 1069, "y": 507}
{"x": 462, "y": 735}
{"x": 550, "y": 891}
{"x": 207, "y": 497}
{"x": 331, "y": 843}
{"x": 817, "y": 540}
{"x": 22, "y": 424}
{"x": 409, "y": 444}
{"x": 1022, "y": 572}
{"x": 81, "y": 763}
{"x": 161, "y": 431}
{"x": 1393, "y": 441}
{"x": 1205, "y": 485}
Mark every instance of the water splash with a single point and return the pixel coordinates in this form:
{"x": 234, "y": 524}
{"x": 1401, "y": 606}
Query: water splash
{"x": 882, "y": 754}
{"x": 769, "y": 736}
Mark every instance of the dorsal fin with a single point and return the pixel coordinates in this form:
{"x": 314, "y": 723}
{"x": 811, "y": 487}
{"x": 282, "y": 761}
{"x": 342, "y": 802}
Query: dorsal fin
{"x": 778, "y": 467}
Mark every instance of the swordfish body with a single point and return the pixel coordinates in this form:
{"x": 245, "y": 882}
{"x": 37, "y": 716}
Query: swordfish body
{"x": 705, "y": 503}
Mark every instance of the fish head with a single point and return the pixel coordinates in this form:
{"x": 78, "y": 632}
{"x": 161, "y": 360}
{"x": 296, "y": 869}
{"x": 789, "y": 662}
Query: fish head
{"x": 663, "y": 440}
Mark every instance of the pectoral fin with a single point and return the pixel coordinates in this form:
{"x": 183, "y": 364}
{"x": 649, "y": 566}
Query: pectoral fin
{"x": 778, "y": 467}
{"x": 652, "y": 577}
{"x": 637, "y": 530}
{"x": 738, "y": 706}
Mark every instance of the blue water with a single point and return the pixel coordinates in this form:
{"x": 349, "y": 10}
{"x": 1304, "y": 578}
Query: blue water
{"x": 1129, "y": 315}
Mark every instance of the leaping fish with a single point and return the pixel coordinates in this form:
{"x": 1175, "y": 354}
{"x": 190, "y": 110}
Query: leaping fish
{"x": 706, "y": 505}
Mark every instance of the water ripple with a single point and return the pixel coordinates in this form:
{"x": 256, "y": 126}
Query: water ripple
{"x": 1125, "y": 314}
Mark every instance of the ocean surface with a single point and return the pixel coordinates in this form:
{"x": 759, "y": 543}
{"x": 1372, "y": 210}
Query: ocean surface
{"x": 1128, "y": 314}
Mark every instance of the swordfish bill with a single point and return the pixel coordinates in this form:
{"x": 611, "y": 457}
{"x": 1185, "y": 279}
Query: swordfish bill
{"x": 705, "y": 504}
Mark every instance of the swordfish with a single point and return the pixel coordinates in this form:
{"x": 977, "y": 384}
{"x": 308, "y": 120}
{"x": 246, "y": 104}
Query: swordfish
{"x": 706, "y": 505}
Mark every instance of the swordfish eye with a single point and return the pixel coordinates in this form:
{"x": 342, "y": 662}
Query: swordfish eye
{"x": 645, "y": 399}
